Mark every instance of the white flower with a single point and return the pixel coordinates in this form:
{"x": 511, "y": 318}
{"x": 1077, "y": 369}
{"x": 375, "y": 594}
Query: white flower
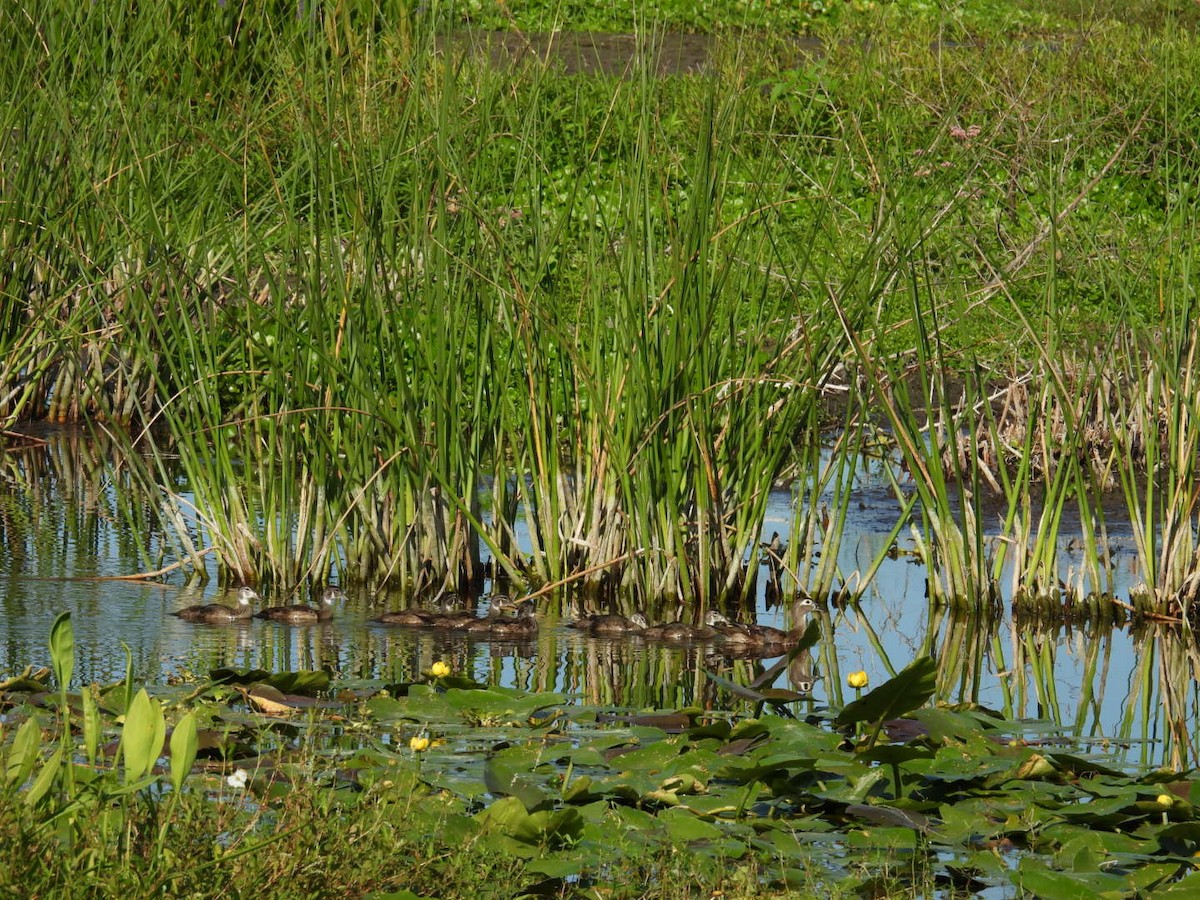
{"x": 238, "y": 779}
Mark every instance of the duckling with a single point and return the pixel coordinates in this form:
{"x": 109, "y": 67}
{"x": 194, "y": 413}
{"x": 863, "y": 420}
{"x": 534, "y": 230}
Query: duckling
{"x": 611, "y": 624}
{"x": 682, "y": 631}
{"x": 498, "y": 609}
{"x": 466, "y": 619}
{"x": 413, "y": 618}
{"x": 299, "y": 614}
{"x": 523, "y": 625}
{"x": 219, "y": 613}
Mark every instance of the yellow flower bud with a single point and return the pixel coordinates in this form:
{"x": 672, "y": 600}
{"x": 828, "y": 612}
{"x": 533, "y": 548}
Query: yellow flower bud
{"x": 857, "y": 680}
{"x": 418, "y": 743}
{"x": 439, "y": 669}
{"x": 1165, "y": 800}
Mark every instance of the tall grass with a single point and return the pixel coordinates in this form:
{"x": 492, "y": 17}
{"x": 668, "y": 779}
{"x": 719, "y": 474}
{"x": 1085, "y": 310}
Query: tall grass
{"x": 395, "y": 310}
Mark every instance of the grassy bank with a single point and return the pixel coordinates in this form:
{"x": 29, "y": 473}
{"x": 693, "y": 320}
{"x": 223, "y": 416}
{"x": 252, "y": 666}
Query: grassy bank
{"x": 391, "y": 306}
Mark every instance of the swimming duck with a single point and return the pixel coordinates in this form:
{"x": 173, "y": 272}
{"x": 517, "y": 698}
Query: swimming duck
{"x": 219, "y": 613}
{"x": 523, "y": 625}
{"x": 753, "y": 634}
{"x": 498, "y": 609}
{"x": 300, "y": 614}
{"x": 445, "y": 616}
{"x": 611, "y": 624}
{"x": 682, "y": 631}
{"x": 466, "y": 619}
{"x": 413, "y": 618}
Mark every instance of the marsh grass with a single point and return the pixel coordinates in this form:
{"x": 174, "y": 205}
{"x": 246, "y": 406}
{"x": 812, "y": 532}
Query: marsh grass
{"x": 392, "y": 308}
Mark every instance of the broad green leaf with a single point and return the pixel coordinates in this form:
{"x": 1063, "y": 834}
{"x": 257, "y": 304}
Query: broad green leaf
{"x": 142, "y": 736}
{"x": 554, "y": 866}
{"x": 1041, "y": 881}
{"x": 62, "y": 650}
{"x": 23, "y": 754}
{"x": 184, "y": 745}
{"x": 45, "y": 778}
{"x": 504, "y": 778}
{"x": 910, "y": 689}
{"x": 685, "y": 827}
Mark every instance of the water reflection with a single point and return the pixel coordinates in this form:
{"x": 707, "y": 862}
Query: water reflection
{"x": 67, "y": 518}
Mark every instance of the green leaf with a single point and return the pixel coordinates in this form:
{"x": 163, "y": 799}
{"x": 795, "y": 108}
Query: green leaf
{"x": 91, "y": 724}
{"x": 184, "y": 745}
{"x": 62, "y": 650}
{"x": 24, "y": 753}
{"x": 503, "y": 778}
{"x": 904, "y": 693}
{"x": 45, "y": 778}
{"x": 142, "y": 737}
{"x": 554, "y": 866}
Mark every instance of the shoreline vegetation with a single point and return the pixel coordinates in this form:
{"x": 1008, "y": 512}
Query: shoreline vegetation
{"x": 355, "y": 304}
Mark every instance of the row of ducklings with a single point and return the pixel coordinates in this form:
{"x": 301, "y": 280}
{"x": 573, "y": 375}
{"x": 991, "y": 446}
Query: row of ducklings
{"x": 248, "y": 598}
{"x": 504, "y": 617}
{"x": 717, "y": 626}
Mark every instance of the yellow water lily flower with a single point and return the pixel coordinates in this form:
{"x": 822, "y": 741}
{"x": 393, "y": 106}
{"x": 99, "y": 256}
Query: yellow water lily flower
{"x": 418, "y": 743}
{"x": 439, "y": 669}
{"x": 858, "y": 680}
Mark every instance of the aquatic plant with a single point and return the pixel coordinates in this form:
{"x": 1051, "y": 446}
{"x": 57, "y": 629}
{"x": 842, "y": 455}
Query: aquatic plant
{"x": 541, "y": 788}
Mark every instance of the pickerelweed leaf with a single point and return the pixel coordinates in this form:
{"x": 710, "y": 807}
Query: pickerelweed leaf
{"x": 910, "y": 689}
{"x": 62, "y": 650}
{"x": 23, "y": 754}
{"x": 142, "y": 736}
{"x": 184, "y": 746}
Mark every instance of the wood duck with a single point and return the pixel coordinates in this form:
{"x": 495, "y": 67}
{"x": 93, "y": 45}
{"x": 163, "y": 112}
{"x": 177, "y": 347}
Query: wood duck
{"x": 523, "y": 625}
{"x": 219, "y": 613}
{"x": 301, "y": 614}
{"x": 753, "y": 634}
{"x": 412, "y": 618}
{"x": 611, "y": 624}
{"x": 682, "y": 631}
{"x": 500, "y": 608}
{"x": 466, "y": 619}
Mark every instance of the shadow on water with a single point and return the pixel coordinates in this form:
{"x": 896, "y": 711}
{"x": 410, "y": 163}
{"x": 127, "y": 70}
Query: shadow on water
{"x": 69, "y": 524}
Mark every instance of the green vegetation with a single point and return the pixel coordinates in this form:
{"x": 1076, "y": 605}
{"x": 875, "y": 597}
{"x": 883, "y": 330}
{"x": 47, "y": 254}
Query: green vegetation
{"x": 289, "y": 785}
{"x": 391, "y": 305}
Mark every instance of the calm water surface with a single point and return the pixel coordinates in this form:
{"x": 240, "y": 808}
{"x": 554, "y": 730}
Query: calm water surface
{"x": 60, "y": 534}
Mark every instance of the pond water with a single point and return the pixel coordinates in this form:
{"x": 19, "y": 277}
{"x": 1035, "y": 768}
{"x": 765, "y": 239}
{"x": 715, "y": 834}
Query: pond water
{"x": 62, "y": 536}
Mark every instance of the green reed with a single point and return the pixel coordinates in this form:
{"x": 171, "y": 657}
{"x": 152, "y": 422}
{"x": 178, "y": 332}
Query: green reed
{"x": 390, "y": 306}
